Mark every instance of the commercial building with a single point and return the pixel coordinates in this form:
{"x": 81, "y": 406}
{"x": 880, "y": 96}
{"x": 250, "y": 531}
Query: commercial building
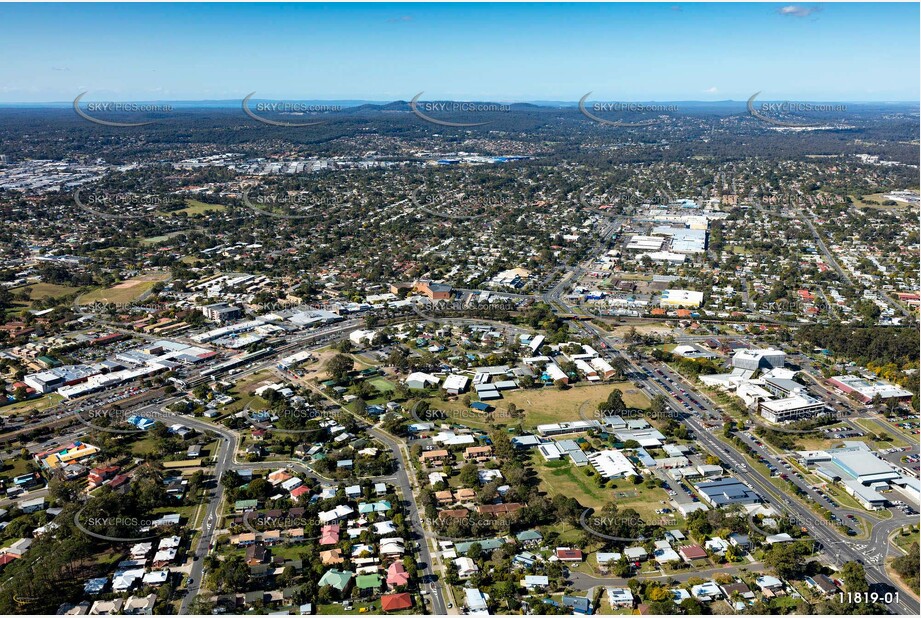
{"x": 868, "y": 497}
{"x": 859, "y": 471}
{"x": 222, "y": 312}
{"x": 44, "y": 382}
{"x": 790, "y": 408}
{"x": 727, "y": 491}
{"x": 611, "y": 464}
{"x": 782, "y": 387}
{"x": 455, "y": 384}
{"x": 557, "y": 429}
{"x": 684, "y": 240}
{"x": 66, "y": 375}
{"x": 663, "y": 257}
{"x": 644, "y": 243}
{"x": 361, "y": 336}
{"x": 681, "y": 298}
{"x": 434, "y": 291}
{"x": 866, "y": 391}
{"x": 759, "y": 359}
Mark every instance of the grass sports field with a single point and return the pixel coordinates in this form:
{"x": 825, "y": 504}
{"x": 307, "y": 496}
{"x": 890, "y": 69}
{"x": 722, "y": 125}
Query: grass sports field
{"x": 126, "y": 291}
{"x": 544, "y": 405}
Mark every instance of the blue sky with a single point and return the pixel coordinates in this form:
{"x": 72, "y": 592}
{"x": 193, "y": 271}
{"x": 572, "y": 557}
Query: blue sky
{"x": 505, "y": 52}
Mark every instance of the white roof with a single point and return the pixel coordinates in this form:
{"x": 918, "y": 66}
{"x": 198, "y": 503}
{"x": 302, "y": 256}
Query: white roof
{"x": 418, "y": 376}
{"x": 156, "y": 577}
{"x": 611, "y": 463}
{"x": 337, "y": 513}
{"x": 165, "y": 555}
{"x": 455, "y": 382}
{"x": 619, "y": 595}
{"x": 789, "y": 403}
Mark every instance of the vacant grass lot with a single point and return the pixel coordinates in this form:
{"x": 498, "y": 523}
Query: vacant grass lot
{"x": 126, "y": 291}
{"x": 564, "y": 478}
{"x": 32, "y": 405}
{"x": 195, "y": 207}
{"x": 876, "y": 200}
{"x": 155, "y": 239}
{"x": 544, "y": 405}
{"x": 45, "y": 290}
{"x": 383, "y": 385}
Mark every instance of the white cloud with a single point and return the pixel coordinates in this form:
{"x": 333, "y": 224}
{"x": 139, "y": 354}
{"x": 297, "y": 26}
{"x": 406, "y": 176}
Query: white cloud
{"x": 798, "y": 10}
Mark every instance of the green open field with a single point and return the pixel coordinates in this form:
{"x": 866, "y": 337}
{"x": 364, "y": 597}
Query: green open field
{"x": 126, "y": 291}
{"x": 884, "y": 428}
{"x": 144, "y": 446}
{"x": 875, "y": 200}
{"x": 17, "y": 466}
{"x": 383, "y": 385}
{"x": 155, "y": 239}
{"x": 45, "y": 290}
{"x": 32, "y": 405}
{"x": 545, "y": 405}
{"x": 566, "y": 479}
{"x": 242, "y": 389}
{"x": 36, "y": 291}
{"x": 195, "y": 207}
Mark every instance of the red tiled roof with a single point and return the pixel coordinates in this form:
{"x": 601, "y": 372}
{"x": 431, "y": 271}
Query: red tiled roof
{"x": 396, "y": 602}
{"x": 569, "y": 554}
{"x": 693, "y": 552}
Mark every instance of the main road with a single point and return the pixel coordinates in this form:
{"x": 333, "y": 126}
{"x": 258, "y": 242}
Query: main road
{"x": 838, "y": 549}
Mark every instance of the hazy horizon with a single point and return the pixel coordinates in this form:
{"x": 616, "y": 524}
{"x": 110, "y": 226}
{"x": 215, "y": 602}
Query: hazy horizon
{"x": 498, "y": 52}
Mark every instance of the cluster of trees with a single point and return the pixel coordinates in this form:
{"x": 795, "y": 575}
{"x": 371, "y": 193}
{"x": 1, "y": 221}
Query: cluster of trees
{"x": 57, "y": 565}
{"x": 788, "y": 441}
{"x": 908, "y": 568}
{"x": 688, "y": 366}
{"x": 866, "y": 344}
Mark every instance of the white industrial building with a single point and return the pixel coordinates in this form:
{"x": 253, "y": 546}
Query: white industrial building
{"x": 684, "y": 240}
{"x": 360, "y": 336}
{"x": 668, "y": 257}
{"x": 644, "y": 243}
{"x": 681, "y": 298}
{"x": 791, "y": 408}
{"x": 611, "y": 463}
{"x": 861, "y": 473}
{"x": 759, "y": 359}
{"x": 455, "y": 384}
{"x": 866, "y": 391}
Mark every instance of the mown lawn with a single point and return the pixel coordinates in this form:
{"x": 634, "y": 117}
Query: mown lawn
{"x": 543, "y": 405}
{"x": 195, "y": 207}
{"x": 126, "y": 291}
{"x": 566, "y": 479}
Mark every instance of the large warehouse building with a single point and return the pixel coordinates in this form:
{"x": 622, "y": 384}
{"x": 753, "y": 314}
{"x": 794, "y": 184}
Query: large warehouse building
{"x": 727, "y": 491}
{"x": 866, "y": 391}
{"x": 862, "y": 474}
{"x": 791, "y": 408}
{"x": 681, "y": 298}
{"x": 759, "y": 359}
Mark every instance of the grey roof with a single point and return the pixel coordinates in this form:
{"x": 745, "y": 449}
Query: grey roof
{"x": 728, "y": 491}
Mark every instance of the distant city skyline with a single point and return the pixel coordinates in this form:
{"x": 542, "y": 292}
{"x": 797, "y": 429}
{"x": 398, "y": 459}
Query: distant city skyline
{"x": 857, "y": 52}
